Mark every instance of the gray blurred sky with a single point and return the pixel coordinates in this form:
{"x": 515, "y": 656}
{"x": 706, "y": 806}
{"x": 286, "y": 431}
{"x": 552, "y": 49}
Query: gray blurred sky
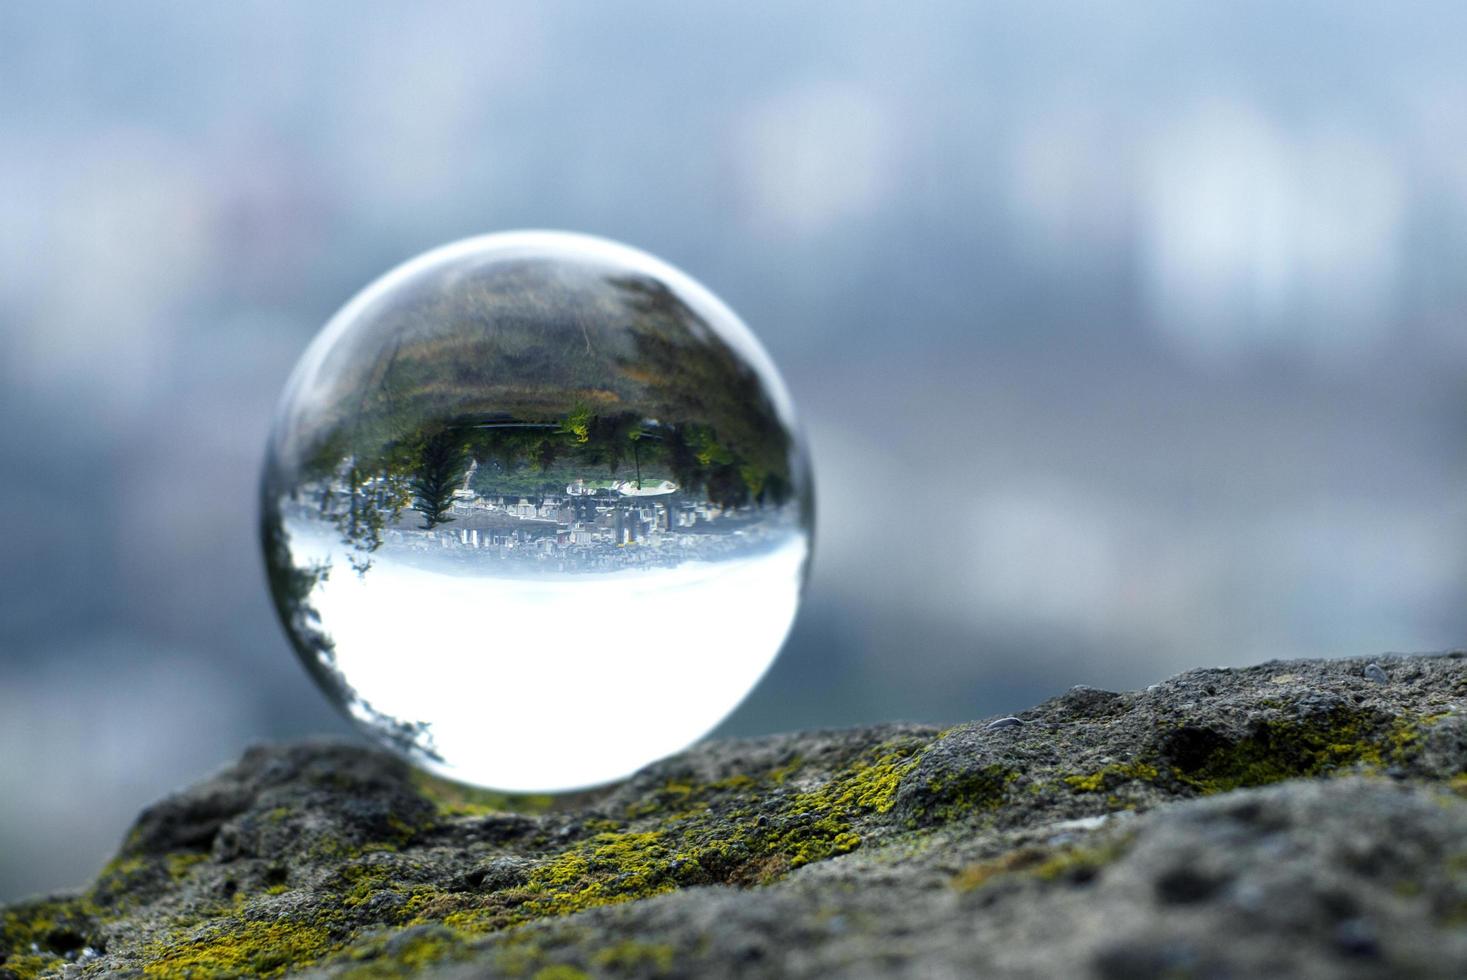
{"x": 1129, "y": 337}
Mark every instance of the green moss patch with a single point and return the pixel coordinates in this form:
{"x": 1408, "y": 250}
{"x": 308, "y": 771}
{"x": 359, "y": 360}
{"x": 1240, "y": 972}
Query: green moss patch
{"x": 402, "y": 954}
{"x": 1109, "y": 777}
{"x": 952, "y": 797}
{"x": 1277, "y": 749}
{"x": 739, "y": 830}
{"x": 234, "y": 949}
{"x": 40, "y": 937}
{"x": 630, "y": 956}
{"x": 1075, "y": 864}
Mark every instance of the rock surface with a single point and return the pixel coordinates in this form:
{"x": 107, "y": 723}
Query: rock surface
{"x": 1303, "y": 818}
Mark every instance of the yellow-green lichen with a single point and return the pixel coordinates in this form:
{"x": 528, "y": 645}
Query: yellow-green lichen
{"x": 1082, "y": 862}
{"x": 817, "y": 824}
{"x": 1284, "y": 748}
{"x": 780, "y": 774}
{"x": 358, "y": 883}
{"x": 630, "y": 956}
{"x": 519, "y": 954}
{"x": 121, "y": 881}
{"x": 1111, "y": 776}
{"x": 396, "y": 955}
{"x": 180, "y": 863}
{"x": 678, "y": 798}
{"x": 672, "y": 799}
{"x": 870, "y": 786}
{"x": 734, "y": 842}
{"x": 561, "y": 971}
{"x": 123, "y": 867}
{"x": 977, "y": 791}
{"x": 981, "y": 872}
{"x": 232, "y": 949}
{"x": 36, "y": 936}
{"x": 327, "y": 848}
{"x": 609, "y": 868}
{"x": 1075, "y": 863}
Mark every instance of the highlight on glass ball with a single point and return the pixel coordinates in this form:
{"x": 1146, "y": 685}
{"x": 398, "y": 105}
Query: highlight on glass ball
{"x": 535, "y": 512}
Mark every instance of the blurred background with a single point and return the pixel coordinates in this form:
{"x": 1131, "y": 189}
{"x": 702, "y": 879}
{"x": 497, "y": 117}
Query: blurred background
{"x": 1129, "y": 338}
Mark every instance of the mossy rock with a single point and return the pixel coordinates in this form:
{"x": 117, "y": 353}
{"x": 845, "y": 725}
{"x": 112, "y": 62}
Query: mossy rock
{"x": 1286, "y": 818}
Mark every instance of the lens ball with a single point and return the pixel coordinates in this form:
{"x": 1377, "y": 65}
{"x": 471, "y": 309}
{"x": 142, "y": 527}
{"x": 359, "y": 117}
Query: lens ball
{"x": 535, "y": 511}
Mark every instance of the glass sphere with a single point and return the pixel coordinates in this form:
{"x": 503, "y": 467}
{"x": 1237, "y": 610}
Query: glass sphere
{"x": 534, "y": 510}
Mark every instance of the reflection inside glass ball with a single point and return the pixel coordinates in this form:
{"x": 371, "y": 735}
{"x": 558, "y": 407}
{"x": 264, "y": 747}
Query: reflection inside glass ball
{"x": 534, "y": 512}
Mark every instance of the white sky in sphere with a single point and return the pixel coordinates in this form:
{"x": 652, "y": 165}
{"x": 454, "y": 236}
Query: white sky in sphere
{"x": 536, "y": 684}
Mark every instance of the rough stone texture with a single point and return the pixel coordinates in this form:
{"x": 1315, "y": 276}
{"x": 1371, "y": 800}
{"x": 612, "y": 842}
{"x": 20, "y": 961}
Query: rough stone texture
{"x": 1303, "y": 818}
